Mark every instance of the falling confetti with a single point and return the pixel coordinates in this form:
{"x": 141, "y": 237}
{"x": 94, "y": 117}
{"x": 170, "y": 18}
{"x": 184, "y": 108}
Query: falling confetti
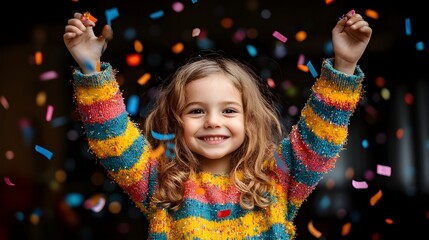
{"x": 407, "y": 27}
{"x": 49, "y": 112}
{"x": 111, "y": 14}
{"x": 48, "y": 154}
{"x": 8, "y": 182}
{"x": 280, "y": 36}
{"x": 316, "y": 233}
{"x": 383, "y": 170}
{"x": 49, "y": 75}
{"x": 156, "y": 15}
{"x": 196, "y": 32}
{"x": 374, "y": 199}
{"x": 4, "y": 102}
{"x": 359, "y": 184}
{"x": 312, "y": 70}
{"x": 346, "y": 229}
{"x": 163, "y": 137}
{"x": 223, "y": 213}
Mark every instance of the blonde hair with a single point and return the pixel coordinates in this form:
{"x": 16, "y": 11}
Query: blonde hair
{"x": 262, "y": 131}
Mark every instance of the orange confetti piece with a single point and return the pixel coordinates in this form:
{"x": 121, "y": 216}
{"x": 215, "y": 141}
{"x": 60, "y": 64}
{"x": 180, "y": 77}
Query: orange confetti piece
{"x": 399, "y": 133}
{"x": 313, "y": 230}
{"x": 178, "y": 48}
{"x": 389, "y": 221}
{"x": 158, "y": 151}
{"x": 143, "y": 79}
{"x": 133, "y": 59}
{"x": 303, "y": 68}
{"x": 371, "y": 13}
{"x": 4, "y": 102}
{"x": 374, "y": 199}
{"x": 138, "y": 46}
{"x": 90, "y": 17}
{"x": 38, "y": 58}
{"x": 327, "y": 2}
{"x": 200, "y": 191}
{"x": 346, "y": 229}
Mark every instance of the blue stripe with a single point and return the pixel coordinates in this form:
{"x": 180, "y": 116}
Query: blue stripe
{"x": 127, "y": 159}
{"x": 276, "y": 231}
{"x": 111, "y": 128}
{"x": 329, "y": 113}
{"x": 320, "y": 146}
{"x": 340, "y": 79}
{"x": 97, "y": 79}
{"x": 291, "y": 211}
{"x": 194, "y": 208}
{"x": 157, "y": 236}
{"x": 297, "y": 168}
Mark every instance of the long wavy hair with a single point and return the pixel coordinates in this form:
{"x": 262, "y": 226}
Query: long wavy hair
{"x": 250, "y": 171}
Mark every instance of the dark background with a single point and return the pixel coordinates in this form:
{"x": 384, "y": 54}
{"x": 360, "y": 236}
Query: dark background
{"x": 389, "y": 127}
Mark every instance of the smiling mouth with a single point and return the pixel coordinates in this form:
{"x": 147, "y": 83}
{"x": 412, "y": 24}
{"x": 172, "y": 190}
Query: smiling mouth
{"x": 213, "y": 139}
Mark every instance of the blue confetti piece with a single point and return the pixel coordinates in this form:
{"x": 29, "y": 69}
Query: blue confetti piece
{"x": 365, "y": 144}
{"x": 74, "y": 199}
{"x": 251, "y": 50}
{"x": 89, "y": 65}
{"x": 163, "y": 137}
{"x": 48, "y": 154}
{"x": 407, "y": 27}
{"x": 157, "y": 14}
{"x": 280, "y": 163}
{"x": 110, "y": 15}
{"x": 420, "y": 46}
{"x": 194, "y": 1}
{"x": 312, "y": 70}
{"x": 132, "y": 105}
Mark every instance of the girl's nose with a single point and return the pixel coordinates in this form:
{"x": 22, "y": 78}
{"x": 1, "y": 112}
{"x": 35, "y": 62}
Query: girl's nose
{"x": 212, "y": 121}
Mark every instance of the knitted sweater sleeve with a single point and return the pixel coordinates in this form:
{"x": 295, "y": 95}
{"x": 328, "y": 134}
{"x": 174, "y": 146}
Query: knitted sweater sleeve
{"x": 314, "y": 143}
{"x": 112, "y": 137}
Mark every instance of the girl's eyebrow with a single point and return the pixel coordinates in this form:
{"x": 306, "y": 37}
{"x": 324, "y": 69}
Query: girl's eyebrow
{"x": 222, "y": 103}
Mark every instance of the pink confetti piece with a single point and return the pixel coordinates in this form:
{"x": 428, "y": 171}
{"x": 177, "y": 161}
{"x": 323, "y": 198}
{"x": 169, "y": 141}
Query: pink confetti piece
{"x": 4, "y": 102}
{"x": 49, "y": 75}
{"x": 359, "y": 184}
{"x": 384, "y": 170}
{"x": 301, "y": 59}
{"x": 279, "y": 36}
{"x": 8, "y": 182}
{"x": 196, "y": 32}
{"x": 49, "y": 113}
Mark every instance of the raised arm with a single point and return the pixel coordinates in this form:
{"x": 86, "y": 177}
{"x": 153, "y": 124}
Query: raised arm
{"x": 112, "y": 137}
{"x": 315, "y": 142}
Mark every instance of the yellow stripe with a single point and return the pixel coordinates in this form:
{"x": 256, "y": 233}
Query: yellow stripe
{"x": 115, "y": 146}
{"x": 127, "y": 177}
{"x": 322, "y": 129}
{"x": 329, "y": 91}
{"x": 90, "y": 95}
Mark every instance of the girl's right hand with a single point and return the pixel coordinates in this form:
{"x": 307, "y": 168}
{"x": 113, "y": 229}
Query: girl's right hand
{"x": 83, "y": 45}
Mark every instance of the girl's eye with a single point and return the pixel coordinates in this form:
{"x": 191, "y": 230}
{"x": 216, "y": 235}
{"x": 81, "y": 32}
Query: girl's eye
{"x": 196, "y": 111}
{"x": 229, "y": 110}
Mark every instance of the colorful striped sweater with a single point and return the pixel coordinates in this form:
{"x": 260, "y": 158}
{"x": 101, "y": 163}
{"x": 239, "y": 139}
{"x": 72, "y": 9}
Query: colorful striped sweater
{"x": 211, "y": 208}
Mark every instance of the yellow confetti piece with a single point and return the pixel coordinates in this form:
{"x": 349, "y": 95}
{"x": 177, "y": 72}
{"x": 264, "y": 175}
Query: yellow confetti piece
{"x": 346, "y": 229}
{"x": 158, "y": 151}
{"x": 143, "y": 79}
{"x": 374, "y": 199}
{"x": 313, "y": 230}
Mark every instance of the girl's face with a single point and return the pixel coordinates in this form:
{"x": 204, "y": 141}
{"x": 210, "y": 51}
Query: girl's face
{"x": 213, "y": 120}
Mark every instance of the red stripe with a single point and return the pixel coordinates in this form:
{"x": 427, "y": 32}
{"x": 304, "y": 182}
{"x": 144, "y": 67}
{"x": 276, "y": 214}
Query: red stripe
{"x": 340, "y": 106}
{"x": 102, "y": 111}
{"x": 310, "y": 159}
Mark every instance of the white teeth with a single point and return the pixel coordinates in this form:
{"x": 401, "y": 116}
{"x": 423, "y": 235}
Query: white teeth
{"x": 213, "y": 138}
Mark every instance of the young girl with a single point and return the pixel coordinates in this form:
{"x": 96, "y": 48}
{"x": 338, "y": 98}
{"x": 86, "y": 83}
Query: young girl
{"x": 211, "y": 163}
